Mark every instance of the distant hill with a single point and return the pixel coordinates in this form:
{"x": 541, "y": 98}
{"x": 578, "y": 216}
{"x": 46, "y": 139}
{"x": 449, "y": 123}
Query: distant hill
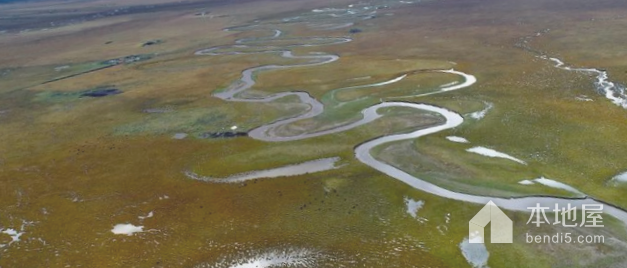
{"x": 15, "y": 1}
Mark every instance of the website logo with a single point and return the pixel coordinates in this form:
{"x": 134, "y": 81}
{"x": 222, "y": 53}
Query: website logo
{"x": 500, "y": 225}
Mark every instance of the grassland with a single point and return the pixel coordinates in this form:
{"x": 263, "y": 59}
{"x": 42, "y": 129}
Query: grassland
{"x": 71, "y": 168}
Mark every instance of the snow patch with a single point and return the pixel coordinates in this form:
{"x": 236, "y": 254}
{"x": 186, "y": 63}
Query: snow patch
{"x": 313, "y": 166}
{"x": 14, "y": 234}
{"x": 288, "y": 258}
{"x": 526, "y": 182}
{"x": 457, "y": 139}
{"x": 475, "y": 253}
{"x": 557, "y": 185}
{"x": 150, "y": 214}
{"x": 179, "y": 136}
{"x": 413, "y": 206}
{"x": 620, "y": 178}
{"x": 127, "y": 229}
{"x": 478, "y": 115}
{"x": 492, "y": 153}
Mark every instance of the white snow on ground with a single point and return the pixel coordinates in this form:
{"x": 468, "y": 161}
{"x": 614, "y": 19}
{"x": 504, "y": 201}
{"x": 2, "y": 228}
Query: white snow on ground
{"x": 328, "y": 9}
{"x": 476, "y": 254}
{"x": 150, "y": 214}
{"x": 127, "y": 229}
{"x": 526, "y": 182}
{"x": 492, "y": 153}
{"x": 268, "y": 261}
{"x": 284, "y": 258}
{"x": 620, "y": 177}
{"x": 457, "y": 139}
{"x": 583, "y": 98}
{"x": 413, "y": 206}
{"x": 179, "y": 136}
{"x": 478, "y": 115}
{"x": 558, "y": 185}
{"x": 15, "y": 235}
{"x": 285, "y": 171}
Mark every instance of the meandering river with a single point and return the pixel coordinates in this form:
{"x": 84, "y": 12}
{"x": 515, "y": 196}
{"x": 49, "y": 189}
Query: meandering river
{"x": 236, "y": 92}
